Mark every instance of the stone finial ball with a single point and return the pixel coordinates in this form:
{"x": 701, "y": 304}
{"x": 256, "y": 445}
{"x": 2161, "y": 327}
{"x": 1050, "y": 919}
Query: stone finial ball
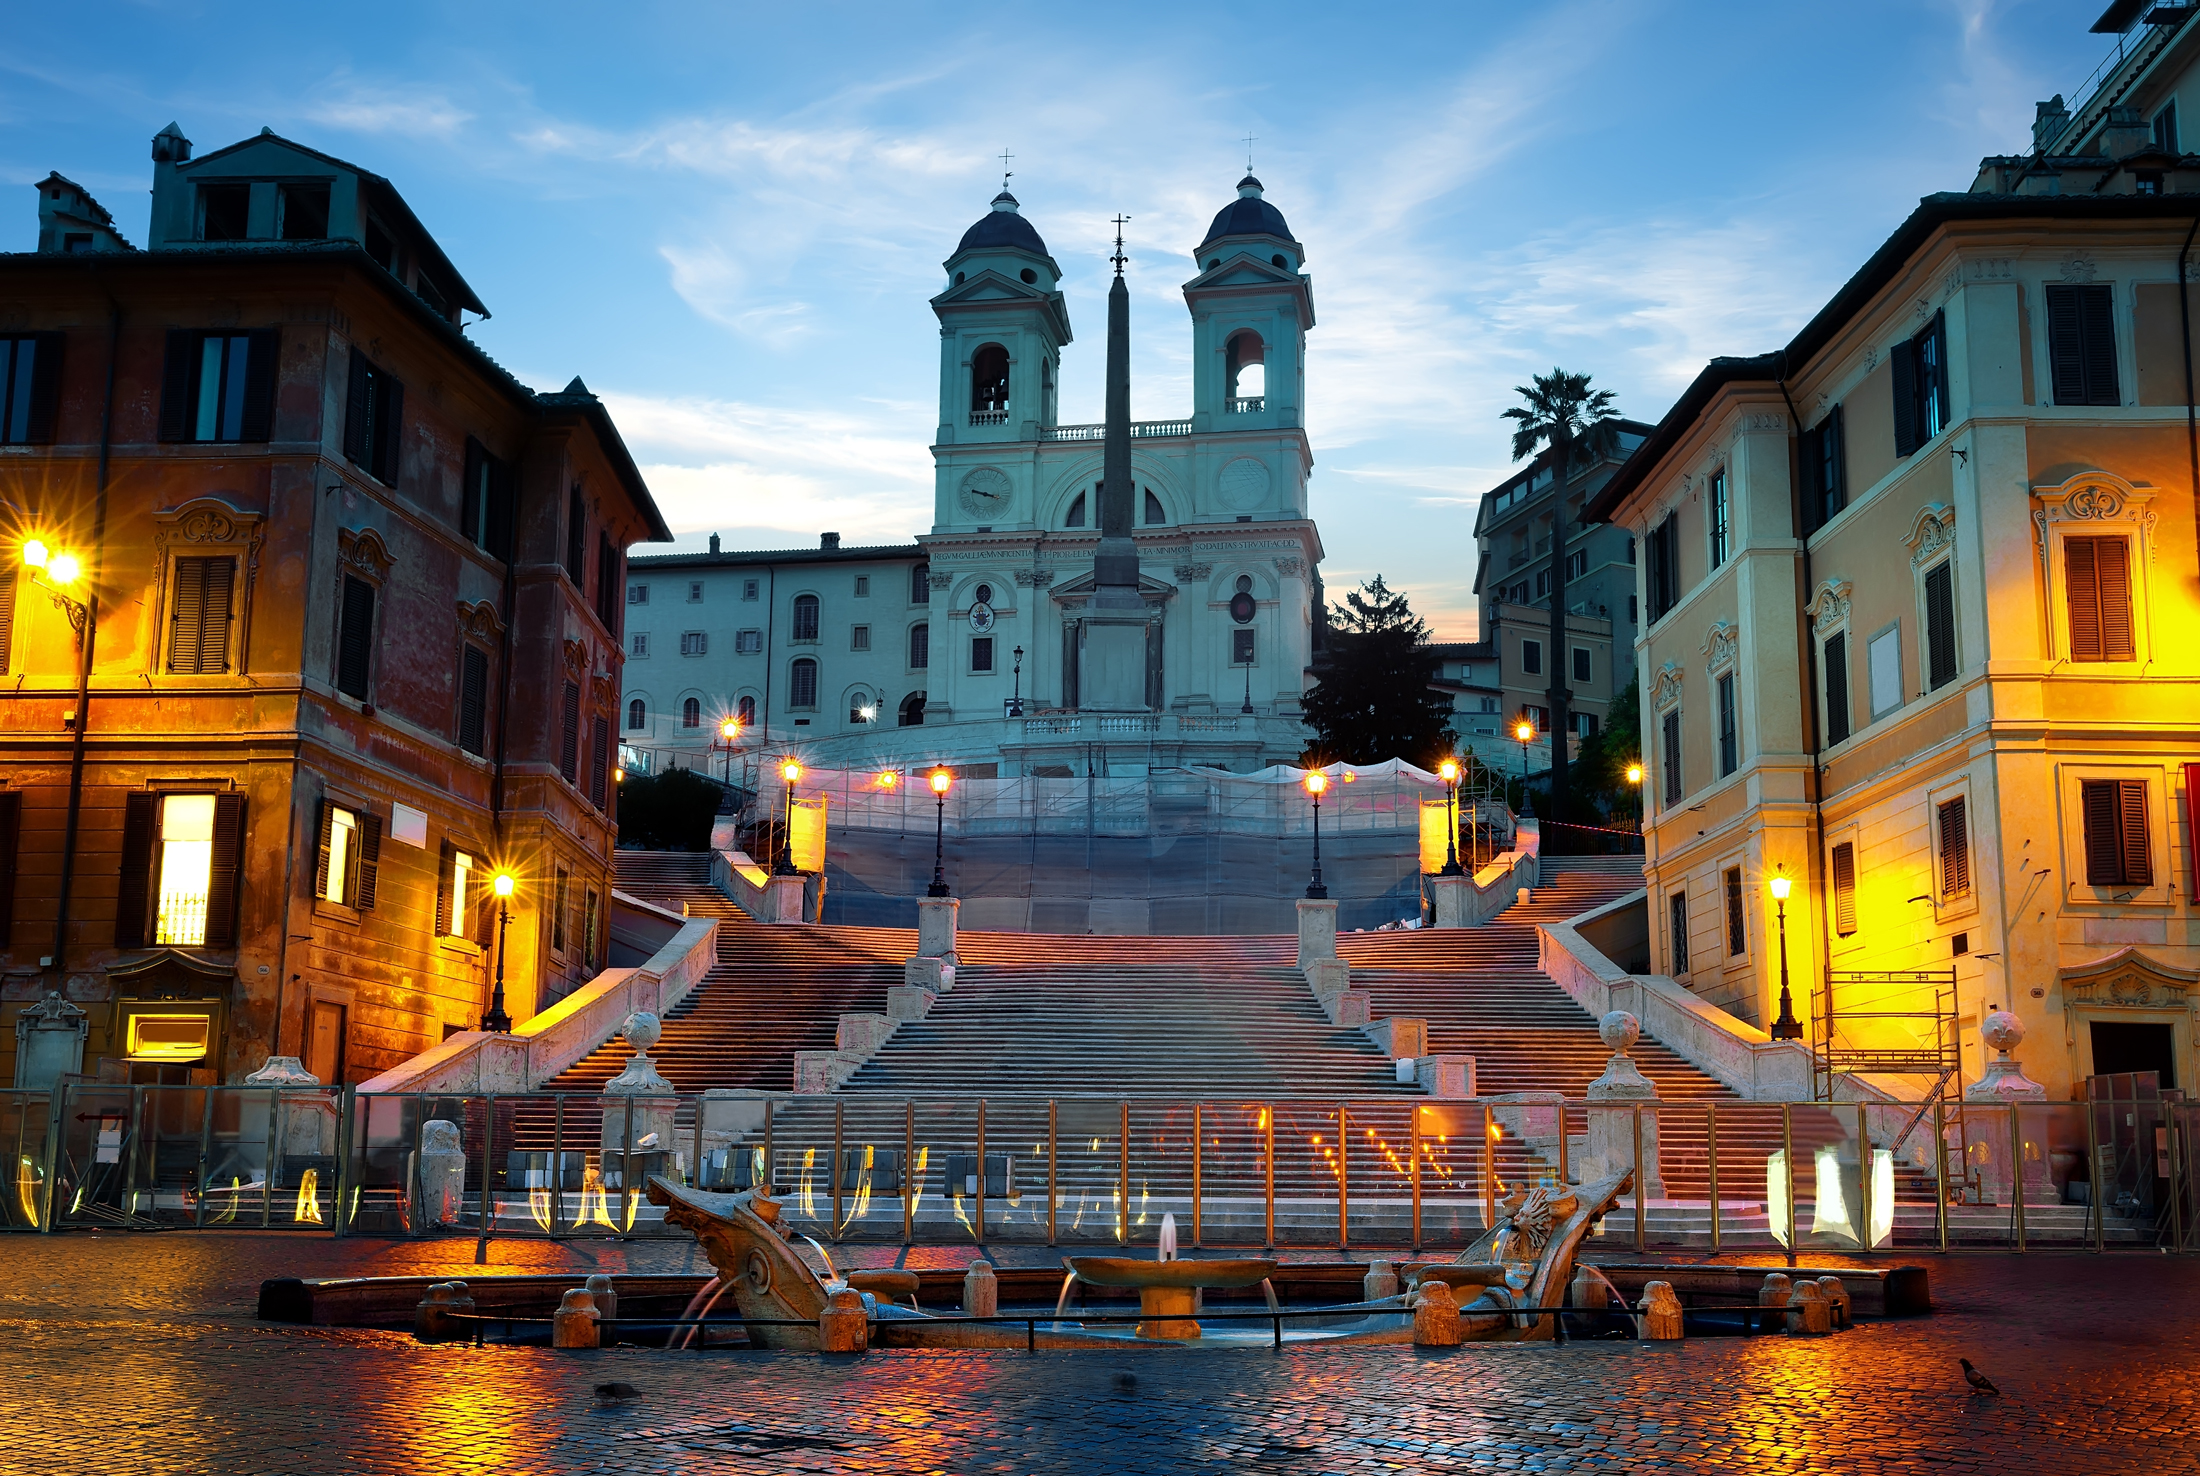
{"x": 2002, "y": 1030}
{"x": 641, "y": 1030}
{"x": 1620, "y": 1030}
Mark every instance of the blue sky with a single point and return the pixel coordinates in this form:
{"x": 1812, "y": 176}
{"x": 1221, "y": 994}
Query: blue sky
{"x": 728, "y": 219}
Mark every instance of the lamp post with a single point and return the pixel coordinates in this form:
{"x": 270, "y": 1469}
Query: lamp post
{"x": 1634, "y": 778}
{"x": 784, "y": 865}
{"x": 942, "y": 781}
{"x": 1316, "y": 782}
{"x": 1786, "y": 1027}
{"x": 1016, "y": 701}
{"x": 1448, "y": 771}
{"x": 1524, "y": 730}
{"x": 496, "y": 1021}
{"x": 729, "y": 737}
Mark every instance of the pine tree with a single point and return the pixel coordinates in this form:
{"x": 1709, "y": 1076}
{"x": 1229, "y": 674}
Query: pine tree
{"x": 1372, "y": 700}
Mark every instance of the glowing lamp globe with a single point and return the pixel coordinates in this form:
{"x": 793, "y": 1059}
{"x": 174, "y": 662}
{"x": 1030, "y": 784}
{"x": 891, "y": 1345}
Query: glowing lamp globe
{"x": 35, "y": 553}
{"x": 790, "y": 771}
{"x": 887, "y": 779}
{"x": 62, "y": 568}
{"x": 503, "y": 884}
{"x": 1316, "y": 782}
{"x": 1524, "y": 732}
{"x": 730, "y": 728}
{"x": 1634, "y": 773}
{"x": 1448, "y": 770}
{"x": 1780, "y": 885}
{"x": 942, "y": 781}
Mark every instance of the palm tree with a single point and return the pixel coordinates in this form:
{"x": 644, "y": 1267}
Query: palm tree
{"x": 1559, "y": 409}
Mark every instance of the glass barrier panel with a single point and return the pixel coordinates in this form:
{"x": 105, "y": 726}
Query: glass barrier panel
{"x": 874, "y": 1164}
{"x": 98, "y": 1125}
{"x": 1982, "y": 1184}
{"x": 1378, "y": 1143}
{"x": 1232, "y": 1209}
{"x": 2052, "y": 1147}
{"x": 172, "y": 1136}
{"x": 802, "y": 1164}
{"x": 25, "y": 1119}
{"x": 1161, "y": 1173}
{"x": 1088, "y": 1178}
{"x": 1310, "y": 1165}
{"x": 1016, "y": 1173}
{"x": 1454, "y": 1159}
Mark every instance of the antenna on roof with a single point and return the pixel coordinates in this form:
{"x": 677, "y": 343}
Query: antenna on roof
{"x": 1119, "y": 258}
{"x": 1007, "y": 174}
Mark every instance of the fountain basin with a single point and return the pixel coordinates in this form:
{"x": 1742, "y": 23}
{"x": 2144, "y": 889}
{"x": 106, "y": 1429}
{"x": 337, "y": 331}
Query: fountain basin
{"x": 1168, "y": 1290}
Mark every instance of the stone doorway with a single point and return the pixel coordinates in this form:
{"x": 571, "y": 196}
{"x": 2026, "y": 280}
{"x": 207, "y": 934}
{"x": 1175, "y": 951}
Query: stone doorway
{"x": 2123, "y": 1046}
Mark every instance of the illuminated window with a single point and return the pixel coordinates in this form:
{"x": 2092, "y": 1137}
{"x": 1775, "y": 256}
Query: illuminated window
{"x": 169, "y": 1037}
{"x": 460, "y": 906}
{"x": 342, "y": 842}
{"x": 186, "y": 869}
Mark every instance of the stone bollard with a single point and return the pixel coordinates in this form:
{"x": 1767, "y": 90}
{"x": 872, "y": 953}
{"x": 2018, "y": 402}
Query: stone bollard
{"x": 432, "y": 1321}
{"x": 1810, "y": 1315}
{"x": 1381, "y": 1281}
{"x": 1661, "y": 1313}
{"x": 981, "y": 1290}
{"x": 607, "y": 1298}
{"x": 843, "y": 1327}
{"x": 1774, "y": 1293}
{"x": 574, "y": 1323}
{"x": 1588, "y": 1292}
{"x": 1838, "y": 1299}
{"x": 1435, "y": 1316}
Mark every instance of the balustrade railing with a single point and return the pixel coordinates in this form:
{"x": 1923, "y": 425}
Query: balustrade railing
{"x": 1403, "y": 1170}
{"x": 1244, "y": 404}
{"x": 1140, "y": 429}
{"x": 989, "y": 417}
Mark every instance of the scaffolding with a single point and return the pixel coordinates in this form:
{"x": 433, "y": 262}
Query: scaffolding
{"x": 1890, "y": 1022}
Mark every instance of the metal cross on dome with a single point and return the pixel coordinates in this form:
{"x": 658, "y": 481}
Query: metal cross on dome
{"x": 1249, "y": 139}
{"x": 1119, "y": 258}
{"x": 1007, "y": 174}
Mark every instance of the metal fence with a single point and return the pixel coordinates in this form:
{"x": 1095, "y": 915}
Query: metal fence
{"x": 1080, "y": 1170}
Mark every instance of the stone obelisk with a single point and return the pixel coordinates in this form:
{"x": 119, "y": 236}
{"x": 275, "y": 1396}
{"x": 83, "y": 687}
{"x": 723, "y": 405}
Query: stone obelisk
{"x": 1115, "y": 567}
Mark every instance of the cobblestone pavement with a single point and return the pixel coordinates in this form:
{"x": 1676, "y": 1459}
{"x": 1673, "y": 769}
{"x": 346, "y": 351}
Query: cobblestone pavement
{"x": 140, "y": 1354}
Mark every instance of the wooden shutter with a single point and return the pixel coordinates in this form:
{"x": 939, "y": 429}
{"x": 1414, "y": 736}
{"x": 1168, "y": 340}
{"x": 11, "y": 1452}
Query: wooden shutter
{"x": 262, "y": 353}
{"x": 7, "y": 616}
{"x": 469, "y": 491}
{"x": 1834, "y": 463}
{"x": 569, "y": 734}
{"x": 370, "y": 860}
{"x": 1737, "y": 925}
{"x": 324, "y": 822}
{"x": 2098, "y": 804}
{"x": 473, "y": 700}
{"x": 45, "y": 400}
{"x": 2112, "y": 563}
{"x": 1955, "y": 849}
{"x": 133, "y": 891}
{"x": 11, "y": 836}
{"x": 2081, "y": 344}
{"x": 1940, "y": 625}
{"x": 357, "y": 394}
{"x": 226, "y": 882}
{"x": 1672, "y": 756}
{"x": 1836, "y": 655}
{"x": 446, "y": 875}
{"x": 355, "y": 638}
{"x": 576, "y": 535}
{"x": 2131, "y": 833}
{"x": 178, "y": 371}
{"x": 389, "y": 421}
{"x": 198, "y": 625}
{"x": 2082, "y": 594}
{"x": 1844, "y": 889}
{"x": 2192, "y": 826}
{"x": 2065, "y": 347}
{"x": 599, "y": 763}
{"x": 1904, "y": 367}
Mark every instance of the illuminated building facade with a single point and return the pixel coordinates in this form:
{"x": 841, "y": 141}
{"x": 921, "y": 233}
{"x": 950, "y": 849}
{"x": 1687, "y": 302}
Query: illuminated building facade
{"x": 1920, "y": 626}
{"x": 310, "y": 622}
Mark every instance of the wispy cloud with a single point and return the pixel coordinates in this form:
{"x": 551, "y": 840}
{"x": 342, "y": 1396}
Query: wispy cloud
{"x": 356, "y": 106}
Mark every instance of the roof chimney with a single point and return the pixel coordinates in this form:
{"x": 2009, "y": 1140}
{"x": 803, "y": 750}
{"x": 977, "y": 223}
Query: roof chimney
{"x": 170, "y": 146}
{"x": 714, "y": 543}
{"x": 2048, "y": 122}
{"x": 828, "y": 540}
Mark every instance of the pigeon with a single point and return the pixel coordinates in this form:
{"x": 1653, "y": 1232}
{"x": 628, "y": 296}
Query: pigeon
{"x": 1975, "y": 1379}
{"x": 615, "y": 1391}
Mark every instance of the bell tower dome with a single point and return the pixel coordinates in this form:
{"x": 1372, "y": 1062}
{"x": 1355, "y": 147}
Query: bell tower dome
{"x": 1251, "y": 306}
{"x": 1002, "y": 328}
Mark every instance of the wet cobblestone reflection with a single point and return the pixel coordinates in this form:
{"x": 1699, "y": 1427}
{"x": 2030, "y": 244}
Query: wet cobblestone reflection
{"x": 141, "y": 1355}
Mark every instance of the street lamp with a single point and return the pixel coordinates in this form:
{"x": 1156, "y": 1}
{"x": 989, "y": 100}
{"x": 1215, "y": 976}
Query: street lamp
{"x": 496, "y": 1021}
{"x": 784, "y": 865}
{"x": 1524, "y": 730}
{"x": 942, "y": 781}
{"x": 729, "y": 736}
{"x": 55, "y": 571}
{"x": 1787, "y": 1027}
{"x": 1316, "y": 782}
{"x": 1448, "y": 771}
{"x": 1016, "y": 702}
{"x": 1634, "y": 777}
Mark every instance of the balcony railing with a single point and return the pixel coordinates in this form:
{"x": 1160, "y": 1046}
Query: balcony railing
{"x": 182, "y": 920}
{"x": 1140, "y": 429}
{"x": 1244, "y": 404}
{"x": 989, "y": 417}
{"x": 1119, "y": 725}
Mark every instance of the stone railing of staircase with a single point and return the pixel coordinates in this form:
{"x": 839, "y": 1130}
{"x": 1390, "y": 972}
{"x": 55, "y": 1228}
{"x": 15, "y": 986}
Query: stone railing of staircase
{"x": 677, "y": 952}
{"x": 767, "y": 898}
{"x": 1741, "y": 1056}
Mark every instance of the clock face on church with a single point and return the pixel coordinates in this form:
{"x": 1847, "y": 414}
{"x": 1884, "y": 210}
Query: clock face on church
{"x": 985, "y": 492}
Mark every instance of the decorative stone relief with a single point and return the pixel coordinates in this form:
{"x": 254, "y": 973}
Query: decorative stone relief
{"x": 1830, "y": 606}
{"x": 478, "y": 622}
{"x": 1290, "y": 568}
{"x": 2095, "y": 497}
{"x": 203, "y": 526}
{"x": 2130, "y": 980}
{"x": 364, "y": 552}
{"x": 1244, "y": 484}
{"x": 1192, "y": 573}
{"x": 1774, "y": 421}
{"x": 1990, "y": 269}
{"x": 1721, "y": 645}
{"x": 942, "y": 581}
{"x": 2078, "y": 267}
{"x": 576, "y": 660}
{"x": 1665, "y": 688}
{"x": 1035, "y": 578}
{"x": 1933, "y": 531}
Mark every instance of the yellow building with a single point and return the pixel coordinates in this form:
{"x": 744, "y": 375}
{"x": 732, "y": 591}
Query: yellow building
{"x": 1921, "y": 599}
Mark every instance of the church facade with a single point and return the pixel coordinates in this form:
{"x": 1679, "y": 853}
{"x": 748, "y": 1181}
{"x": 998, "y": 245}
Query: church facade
{"x": 1091, "y": 599}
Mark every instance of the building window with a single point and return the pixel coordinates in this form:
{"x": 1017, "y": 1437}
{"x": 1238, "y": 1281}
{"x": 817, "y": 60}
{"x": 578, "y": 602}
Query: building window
{"x": 1825, "y": 471}
{"x": 485, "y": 503}
{"x": 748, "y": 589}
{"x": 859, "y": 638}
{"x": 1241, "y": 648}
{"x": 599, "y": 763}
{"x": 1718, "y": 517}
{"x": 1672, "y": 755}
{"x": 637, "y": 594}
{"x": 805, "y": 619}
{"x": 1835, "y": 654}
{"x": 1940, "y": 626}
{"x": 637, "y": 715}
{"x": 2097, "y": 591}
{"x": 638, "y": 646}
{"x": 1844, "y": 889}
{"x": 1585, "y": 724}
{"x": 863, "y": 586}
{"x": 1153, "y": 508}
{"x": 355, "y": 638}
{"x": 374, "y": 412}
{"x": 1737, "y": 916}
{"x": 455, "y": 918}
{"x": 1632, "y": 617}
{"x": 1676, "y": 917}
{"x": 981, "y": 653}
{"x": 920, "y": 647}
{"x": 802, "y": 684}
{"x": 199, "y": 616}
{"x": 218, "y": 386}
{"x": 1581, "y": 663}
{"x": 860, "y": 709}
{"x": 607, "y": 582}
{"x": 2081, "y": 344}
{"x": 989, "y": 385}
{"x": 2165, "y": 129}
{"x": 1076, "y": 518}
{"x": 591, "y": 929}
{"x": 691, "y": 713}
{"x": 748, "y": 643}
{"x": 695, "y": 591}
{"x": 569, "y": 734}
{"x": 30, "y": 378}
{"x": 911, "y": 714}
{"x": 576, "y": 534}
{"x": 1531, "y": 657}
{"x": 745, "y": 709}
{"x": 1955, "y": 848}
{"x": 1921, "y": 387}
{"x": 1730, "y": 733}
{"x": 1883, "y": 665}
{"x": 1542, "y": 583}
{"x": 350, "y": 856}
{"x": 186, "y": 869}
{"x": 2116, "y": 849}
{"x": 473, "y": 700}
{"x": 561, "y": 898}
{"x": 694, "y": 643}
{"x": 1664, "y": 572}
{"x": 920, "y": 585}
